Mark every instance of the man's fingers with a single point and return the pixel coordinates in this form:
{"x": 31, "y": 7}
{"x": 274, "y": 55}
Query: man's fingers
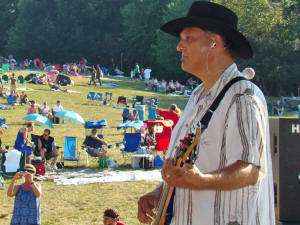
{"x": 143, "y": 210}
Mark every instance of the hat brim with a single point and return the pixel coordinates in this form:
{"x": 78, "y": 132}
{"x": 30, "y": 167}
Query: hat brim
{"x": 240, "y": 44}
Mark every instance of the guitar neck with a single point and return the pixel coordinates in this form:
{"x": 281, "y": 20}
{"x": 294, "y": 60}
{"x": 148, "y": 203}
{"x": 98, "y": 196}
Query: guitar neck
{"x": 167, "y": 189}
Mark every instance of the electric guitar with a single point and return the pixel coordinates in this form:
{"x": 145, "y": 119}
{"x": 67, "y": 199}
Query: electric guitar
{"x": 185, "y": 152}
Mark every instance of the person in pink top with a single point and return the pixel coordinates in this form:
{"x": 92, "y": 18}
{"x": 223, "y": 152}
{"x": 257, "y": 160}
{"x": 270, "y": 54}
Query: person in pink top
{"x": 32, "y": 109}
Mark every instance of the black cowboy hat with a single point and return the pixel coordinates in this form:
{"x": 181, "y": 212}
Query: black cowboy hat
{"x": 216, "y": 18}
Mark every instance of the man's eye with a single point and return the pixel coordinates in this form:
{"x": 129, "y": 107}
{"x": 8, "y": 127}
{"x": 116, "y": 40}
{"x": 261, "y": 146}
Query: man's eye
{"x": 188, "y": 38}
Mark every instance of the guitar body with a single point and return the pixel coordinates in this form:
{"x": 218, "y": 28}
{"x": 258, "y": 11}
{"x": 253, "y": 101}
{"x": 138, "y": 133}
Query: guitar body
{"x": 185, "y": 151}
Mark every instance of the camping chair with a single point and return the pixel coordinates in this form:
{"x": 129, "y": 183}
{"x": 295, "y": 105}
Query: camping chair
{"x": 108, "y": 98}
{"x": 11, "y": 99}
{"x": 162, "y": 137}
{"x": 12, "y": 162}
{"x": 131, "y": 143}
{"x": 91, "y": 96}
{"x": 98, "y": 97}
{"x": 5, "y": 79}
{"x": 139, "y": 100}
{"x": 71, "y": 152}
{"x": 95, "y": 145}
{"x": 122, "y": 100}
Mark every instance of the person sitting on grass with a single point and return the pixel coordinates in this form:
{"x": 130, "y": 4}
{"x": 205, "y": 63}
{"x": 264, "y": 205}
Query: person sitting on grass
{"x": 22, "y": 140}
{"x": 23, "y": 98}
{"x": 47, "y": 149}
{"x": 3, "y": 93}
{"x": 125, "y": 113}
{"x": 45, "y": 110}
{"x": 32, "y": 109}
{"x": 27, "y": 209}
{"x": 111, "y": 217}
{"x": 94, "y": 144}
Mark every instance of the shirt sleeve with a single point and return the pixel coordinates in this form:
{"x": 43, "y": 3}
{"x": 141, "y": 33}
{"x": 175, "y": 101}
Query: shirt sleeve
{"x": 245, "y": 132}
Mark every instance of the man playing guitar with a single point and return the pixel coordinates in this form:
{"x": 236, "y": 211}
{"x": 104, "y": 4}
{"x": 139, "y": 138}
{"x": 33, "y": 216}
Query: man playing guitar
{"x": 230, "y": 182}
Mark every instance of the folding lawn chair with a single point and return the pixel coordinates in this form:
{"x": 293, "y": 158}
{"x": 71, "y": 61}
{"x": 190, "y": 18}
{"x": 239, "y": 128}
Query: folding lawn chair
{"x": 12, "y": 162}
{"x": 91, "y": 96}
{"x": 71, "y": 152}
{"x": 132, "y": 143}
{"x": 96, "y": 145}
{"x": 122, "y": 100}
{"x": 11, "y": 99}
{"x": 108, "y": 98}
{"x": 99, "y": 97}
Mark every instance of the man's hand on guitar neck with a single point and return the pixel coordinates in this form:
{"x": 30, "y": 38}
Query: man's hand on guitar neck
{"x": 147, "y": 203}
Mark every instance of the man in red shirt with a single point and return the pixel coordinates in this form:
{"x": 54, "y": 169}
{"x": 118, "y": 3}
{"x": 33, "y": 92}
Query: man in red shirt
{"x": 111, "y": 217}
{"x": 172, "y": 114}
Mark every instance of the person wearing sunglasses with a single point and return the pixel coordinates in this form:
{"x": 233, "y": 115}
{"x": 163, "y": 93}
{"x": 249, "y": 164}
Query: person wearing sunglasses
{"x": 47, "y": 148}
{"x": 27, "y": 208}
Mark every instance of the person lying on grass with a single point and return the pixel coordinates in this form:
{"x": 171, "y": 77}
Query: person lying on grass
{"x": 54, "y": 86}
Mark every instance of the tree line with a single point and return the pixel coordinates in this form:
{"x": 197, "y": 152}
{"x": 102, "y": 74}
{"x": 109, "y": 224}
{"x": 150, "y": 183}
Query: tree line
{"x": 114, "y": 32}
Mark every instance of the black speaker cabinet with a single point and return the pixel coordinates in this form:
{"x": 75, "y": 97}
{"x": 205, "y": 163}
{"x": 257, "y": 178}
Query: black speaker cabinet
{"x": 285, "y": 151}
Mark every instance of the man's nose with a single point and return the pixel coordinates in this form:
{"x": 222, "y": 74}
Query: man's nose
{"x": 179, "y": 46}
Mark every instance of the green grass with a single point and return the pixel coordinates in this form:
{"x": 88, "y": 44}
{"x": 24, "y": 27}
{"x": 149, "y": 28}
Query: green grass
{"x": 83, "y": 204}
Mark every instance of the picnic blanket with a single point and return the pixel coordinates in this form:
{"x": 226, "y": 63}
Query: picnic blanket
{"x": 3, "y": 107}
{"x": 103, "y": 84}
{"x": 69, "y": 91}
{"x": 89, "y": 176}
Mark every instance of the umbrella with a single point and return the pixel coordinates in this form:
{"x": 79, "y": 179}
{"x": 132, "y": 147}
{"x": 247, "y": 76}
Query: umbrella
{"x": 95, "y": 124}
{"x": 137, "y": 124}
{"x": 70, "y": 116}
{"x": 39, "y": 120}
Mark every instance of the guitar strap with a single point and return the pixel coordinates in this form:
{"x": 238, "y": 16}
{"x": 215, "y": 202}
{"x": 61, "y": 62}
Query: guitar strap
{"x": 204, "y": 123}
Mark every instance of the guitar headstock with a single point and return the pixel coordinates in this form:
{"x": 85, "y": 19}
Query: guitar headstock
{"x": 187, "y": 146}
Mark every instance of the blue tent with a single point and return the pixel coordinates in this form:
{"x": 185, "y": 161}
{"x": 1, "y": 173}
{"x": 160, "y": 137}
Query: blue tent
{"x": 95, "y": 124}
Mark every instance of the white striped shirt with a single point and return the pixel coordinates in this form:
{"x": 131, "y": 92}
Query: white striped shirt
{"x": 238, "y": 130}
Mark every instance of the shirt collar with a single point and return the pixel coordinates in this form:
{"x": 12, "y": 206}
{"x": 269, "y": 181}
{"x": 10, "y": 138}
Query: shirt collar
{"x": 230, "y": 73}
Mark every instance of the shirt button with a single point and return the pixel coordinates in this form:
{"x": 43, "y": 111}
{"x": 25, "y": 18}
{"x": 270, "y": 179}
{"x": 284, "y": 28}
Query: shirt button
{"x": 186, "y": 124}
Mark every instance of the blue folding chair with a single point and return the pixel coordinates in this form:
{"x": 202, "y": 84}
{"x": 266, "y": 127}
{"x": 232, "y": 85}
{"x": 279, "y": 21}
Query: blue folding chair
{"x": 11, "y": 99}
{"x": 91, "y": 96}
{"x": 71, "y": 152}
{"x": 99, "y": 97}
{"x": 132, "y": 143}
{"x": 108, "y": 98}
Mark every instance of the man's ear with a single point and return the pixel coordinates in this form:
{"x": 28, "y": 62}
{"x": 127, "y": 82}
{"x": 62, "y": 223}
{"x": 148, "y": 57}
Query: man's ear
{"x": 217, "y": 39}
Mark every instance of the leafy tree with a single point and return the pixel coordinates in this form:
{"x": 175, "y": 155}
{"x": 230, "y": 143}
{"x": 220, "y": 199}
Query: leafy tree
{"x": 142, "y": 19}
{"x": 8, "y": 16}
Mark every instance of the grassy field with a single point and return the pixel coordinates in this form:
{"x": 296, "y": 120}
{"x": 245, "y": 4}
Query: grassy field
{"x": 83, "y": 204}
